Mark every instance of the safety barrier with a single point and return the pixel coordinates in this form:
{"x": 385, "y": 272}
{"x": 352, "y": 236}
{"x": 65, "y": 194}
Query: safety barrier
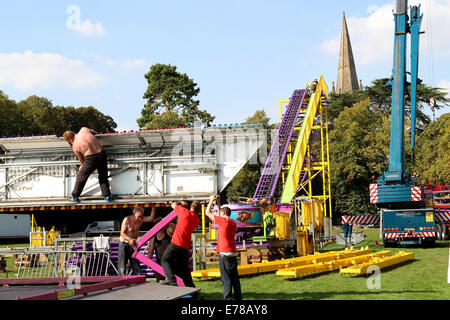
{"x": 63, "y": 263}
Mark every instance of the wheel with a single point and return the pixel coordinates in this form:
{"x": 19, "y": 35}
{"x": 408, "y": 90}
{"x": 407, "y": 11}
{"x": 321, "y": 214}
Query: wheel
{"x": 444, "y": 234}
{"x": 438, "y": 232}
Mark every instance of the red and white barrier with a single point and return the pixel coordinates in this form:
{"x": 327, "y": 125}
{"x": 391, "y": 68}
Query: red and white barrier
{"x": 396, "y": 235}
{"x": 416, "y": 194}
{"x": 361, "y": 219}
{"x": 441, "y": 216}
{"x": 373, "y": 191}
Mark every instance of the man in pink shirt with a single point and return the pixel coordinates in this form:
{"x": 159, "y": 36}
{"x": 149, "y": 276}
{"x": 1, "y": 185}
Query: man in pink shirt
{"x": 226, "y": 247}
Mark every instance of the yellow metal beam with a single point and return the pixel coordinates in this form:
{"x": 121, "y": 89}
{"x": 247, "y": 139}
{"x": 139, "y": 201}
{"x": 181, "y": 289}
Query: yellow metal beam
{"x": 380, "y": 262}
{"x": 271, "y": 266}
{"x": 327, "y": 266}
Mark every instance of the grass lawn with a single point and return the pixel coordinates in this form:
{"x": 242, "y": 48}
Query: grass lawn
{"x": 424, "y": 278}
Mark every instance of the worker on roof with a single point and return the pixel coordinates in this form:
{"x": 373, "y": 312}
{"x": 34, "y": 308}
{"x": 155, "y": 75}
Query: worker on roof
{"x": 91, "y": 155}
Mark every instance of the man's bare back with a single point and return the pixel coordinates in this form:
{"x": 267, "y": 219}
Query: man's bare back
{"x": 86, "y": 143}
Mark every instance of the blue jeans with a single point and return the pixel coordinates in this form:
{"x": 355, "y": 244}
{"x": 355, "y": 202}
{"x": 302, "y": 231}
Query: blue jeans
{"x": 347, "y": 228}
{"x": 230, "y": 278}
{"x": 125, "y": 254}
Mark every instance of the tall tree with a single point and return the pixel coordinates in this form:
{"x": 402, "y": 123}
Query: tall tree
{"x": 41, "y": 117}
{"x": 358, "y": 148}
{"x": 432, "y": 153}
{"x": 12, "y": 120}
{"x": 171, "y": 100}
{"x": 380, "y": 94}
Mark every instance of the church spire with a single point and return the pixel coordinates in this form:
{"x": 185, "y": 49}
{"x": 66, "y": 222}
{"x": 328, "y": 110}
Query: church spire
{"x": 347, "y": 79}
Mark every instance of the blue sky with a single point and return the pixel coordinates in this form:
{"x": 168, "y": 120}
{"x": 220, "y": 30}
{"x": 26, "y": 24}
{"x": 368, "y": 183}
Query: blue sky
{"x": 244, "y": 55}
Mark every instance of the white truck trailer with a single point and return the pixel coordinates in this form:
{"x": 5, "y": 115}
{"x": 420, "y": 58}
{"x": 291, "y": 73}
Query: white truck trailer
{"x": 38, "y": 173}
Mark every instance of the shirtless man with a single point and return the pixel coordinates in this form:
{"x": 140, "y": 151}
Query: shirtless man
{"x": 91, "y": 156}
{"x": 129, "y": 233}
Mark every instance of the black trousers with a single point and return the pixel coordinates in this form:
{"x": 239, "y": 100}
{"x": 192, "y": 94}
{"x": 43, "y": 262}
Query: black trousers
{"x": 97, "y": 161}
{"x": 175, "y": 262}
{"x": 230, "y": 278}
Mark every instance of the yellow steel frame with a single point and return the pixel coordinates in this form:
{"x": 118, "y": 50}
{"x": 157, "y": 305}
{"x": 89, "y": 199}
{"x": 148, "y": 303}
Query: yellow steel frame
{"x": 380, "y": 262}
{"x": 330, "y": 265}
{"x": 272, "y": 266}
{"x": 318, "y": 168}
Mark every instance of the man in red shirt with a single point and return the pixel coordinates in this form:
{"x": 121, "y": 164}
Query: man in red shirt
{"x": 175, "y": 258}
{"x": 226, "y": 247}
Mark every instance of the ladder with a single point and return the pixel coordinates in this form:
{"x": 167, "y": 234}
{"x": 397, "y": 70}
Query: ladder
{"x": 271, "y": 171}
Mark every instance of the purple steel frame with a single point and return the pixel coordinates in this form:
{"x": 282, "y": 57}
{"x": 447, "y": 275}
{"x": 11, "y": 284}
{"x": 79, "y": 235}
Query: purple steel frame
{"x": 146, "y": 237}
{"x": 268, "y": 181}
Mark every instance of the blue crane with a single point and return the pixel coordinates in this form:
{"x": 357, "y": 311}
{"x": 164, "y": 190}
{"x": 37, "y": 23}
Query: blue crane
{"x": 396, "y": 187}
{"x": 404, "y": 218}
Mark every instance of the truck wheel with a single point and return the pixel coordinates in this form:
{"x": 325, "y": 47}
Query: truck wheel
{"x": 438, "y": 232}
{"x": 444, "y": 234}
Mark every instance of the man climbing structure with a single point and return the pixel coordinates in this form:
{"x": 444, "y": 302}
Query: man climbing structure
{"x": 91, "y": 155}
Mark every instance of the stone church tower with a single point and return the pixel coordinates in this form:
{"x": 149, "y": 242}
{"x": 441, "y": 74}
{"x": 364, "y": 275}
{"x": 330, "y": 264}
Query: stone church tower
{"x": 347, "y": 79}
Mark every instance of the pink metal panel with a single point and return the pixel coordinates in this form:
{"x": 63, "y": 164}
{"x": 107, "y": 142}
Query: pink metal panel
{"x": 108, "y": 284}
{"x": 146, "y": 237}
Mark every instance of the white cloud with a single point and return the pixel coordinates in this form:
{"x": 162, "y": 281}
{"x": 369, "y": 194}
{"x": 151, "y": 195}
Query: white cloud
{"x": 121, "y": 63}
{"x": 90, "y": 29}
{"x": 372, "y": 37}
{"x": 135, "y": 63}
{"x": 28, "y": 70}
{"x": 445, "y": 85}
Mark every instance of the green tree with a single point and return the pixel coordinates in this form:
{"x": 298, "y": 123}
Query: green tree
{"x": 432, "y": 153}
{"x": 171, "y": 100}
{"x": 41, "y": 117}
{"x": 358, "y": 151}
{"x": 380, "y": 94}
{"x": 12, "y": 120}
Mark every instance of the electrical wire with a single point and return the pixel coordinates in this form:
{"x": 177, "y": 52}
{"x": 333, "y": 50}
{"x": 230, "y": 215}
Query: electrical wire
{"x": 431, "y": 72}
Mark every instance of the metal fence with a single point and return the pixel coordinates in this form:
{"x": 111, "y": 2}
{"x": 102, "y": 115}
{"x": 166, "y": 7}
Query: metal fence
{"x": 64, "y": 263}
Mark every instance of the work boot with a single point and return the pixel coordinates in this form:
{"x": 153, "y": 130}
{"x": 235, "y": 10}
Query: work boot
{"x": 168, "y": 282}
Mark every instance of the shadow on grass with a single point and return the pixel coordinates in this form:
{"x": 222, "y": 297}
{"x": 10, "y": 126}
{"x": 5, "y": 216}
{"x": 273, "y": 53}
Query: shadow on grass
{"x": 338, "y": 295}
{"x": 365, "y": 295}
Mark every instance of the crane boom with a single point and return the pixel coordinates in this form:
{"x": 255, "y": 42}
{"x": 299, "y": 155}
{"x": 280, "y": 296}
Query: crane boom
{"x": 396, "y": 188}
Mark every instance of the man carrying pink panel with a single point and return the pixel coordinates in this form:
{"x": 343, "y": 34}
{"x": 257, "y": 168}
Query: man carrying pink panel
{"x": 176, "y": 256}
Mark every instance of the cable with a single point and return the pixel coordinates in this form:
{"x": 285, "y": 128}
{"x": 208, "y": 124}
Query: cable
{"x": 431, "y": 71}
{"x": 430, "y": 44}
